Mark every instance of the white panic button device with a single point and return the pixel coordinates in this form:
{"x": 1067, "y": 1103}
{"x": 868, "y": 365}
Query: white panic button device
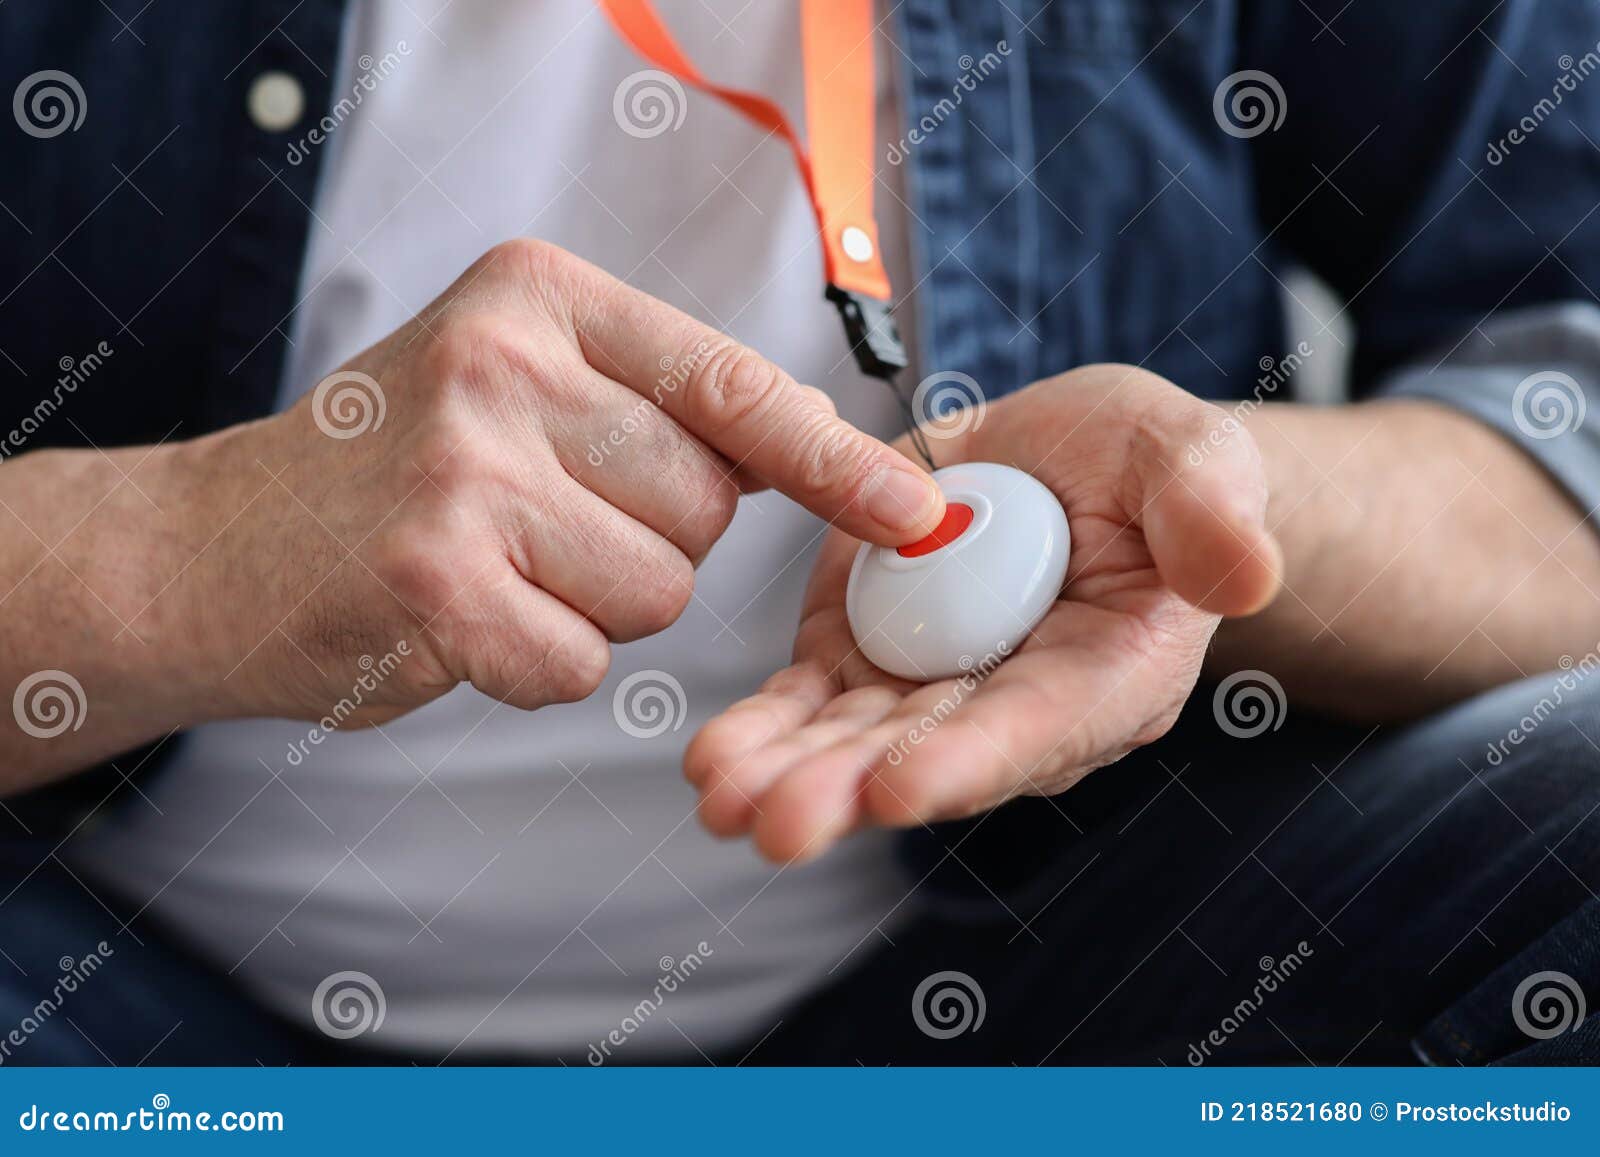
{"x": 972, "y": 589}
{"x": 986, "y": 577}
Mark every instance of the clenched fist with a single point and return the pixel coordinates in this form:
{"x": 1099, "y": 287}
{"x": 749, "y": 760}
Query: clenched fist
{"x": 527, "y": 471}
{"x": 557, "y": 453}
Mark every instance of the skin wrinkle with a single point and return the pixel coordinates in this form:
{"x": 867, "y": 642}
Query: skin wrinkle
{"x": 1109, "y": 440}
{"x": 1064, "y": 707}
{"x": 354, "y": 539}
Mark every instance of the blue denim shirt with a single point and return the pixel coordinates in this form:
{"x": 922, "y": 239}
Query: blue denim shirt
{"x": 1092, "y": 180}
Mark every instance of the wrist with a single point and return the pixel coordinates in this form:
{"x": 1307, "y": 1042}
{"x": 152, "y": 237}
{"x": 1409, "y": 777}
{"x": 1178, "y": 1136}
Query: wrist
{"x": 1313, "y": 532}
{"x": 137, "y": 523}
{"x": 192, "y": 609}
{"x": 96, "y": 643}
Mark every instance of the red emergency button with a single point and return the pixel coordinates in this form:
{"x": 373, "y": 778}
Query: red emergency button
{"x": 957, "y": 517}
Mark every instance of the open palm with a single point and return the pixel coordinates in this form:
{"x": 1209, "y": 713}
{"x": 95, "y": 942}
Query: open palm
{"x": 1165, "y": 500}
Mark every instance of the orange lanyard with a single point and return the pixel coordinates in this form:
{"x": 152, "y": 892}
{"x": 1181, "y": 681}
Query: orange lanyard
{"x": 837, "y": 48}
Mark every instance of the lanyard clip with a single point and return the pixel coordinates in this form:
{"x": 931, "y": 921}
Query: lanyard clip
{"x": 874, "y": 337}
{"x": 875, "y": 341}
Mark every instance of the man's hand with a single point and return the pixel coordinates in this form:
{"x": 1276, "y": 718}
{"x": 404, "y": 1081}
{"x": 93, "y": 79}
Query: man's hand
{"x": 1165, "y": 504}
{"x": 530, "y": 469}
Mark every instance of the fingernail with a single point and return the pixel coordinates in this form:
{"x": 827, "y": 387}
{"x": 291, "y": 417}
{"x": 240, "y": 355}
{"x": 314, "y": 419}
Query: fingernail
{"x": 900, "y": 499}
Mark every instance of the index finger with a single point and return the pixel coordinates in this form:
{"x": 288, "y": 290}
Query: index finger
{"x": 756, "y": 415}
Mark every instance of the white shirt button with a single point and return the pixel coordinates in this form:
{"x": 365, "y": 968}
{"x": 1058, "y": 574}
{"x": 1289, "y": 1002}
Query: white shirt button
{"x": 275, "y": 101}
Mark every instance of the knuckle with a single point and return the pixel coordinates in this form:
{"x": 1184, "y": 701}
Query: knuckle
{"x": 501, "y": 671}
{"x": 502, "y": 667}
{"x": 1160, "y": 409}
{"x": 519, "y": 257}
{"x": 449, "y": 452}
{"x": 1227, "y": 429}
{"x": 1168, "y": 436}
{"x": 820, "y": 399}
{"x": 1124, "y": 375}
{"x": 710, "y": 518}
{"x": 831, "y": 460}
{"x": 578, "y": 669}
{"x": 1209, "y": 420}
{"x": 420, "y": 569}
{"x": 488, "y": 348}
{"x": 732, "y": 385}
{"x": 662, "y": 601}
{"x": 538, "y": 274}
{"x": 470, "y": 350}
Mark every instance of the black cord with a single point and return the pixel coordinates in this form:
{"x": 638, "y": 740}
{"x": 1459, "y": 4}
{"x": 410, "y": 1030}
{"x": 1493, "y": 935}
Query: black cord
{"x": 869, "y": 328}
{"x": 919, "y": 440}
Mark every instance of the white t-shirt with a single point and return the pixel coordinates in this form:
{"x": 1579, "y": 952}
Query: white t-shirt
{"x": 521, "y": 882}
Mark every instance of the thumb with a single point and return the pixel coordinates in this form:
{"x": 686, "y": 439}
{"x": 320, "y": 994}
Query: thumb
{"x": 1204, "y": 515}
